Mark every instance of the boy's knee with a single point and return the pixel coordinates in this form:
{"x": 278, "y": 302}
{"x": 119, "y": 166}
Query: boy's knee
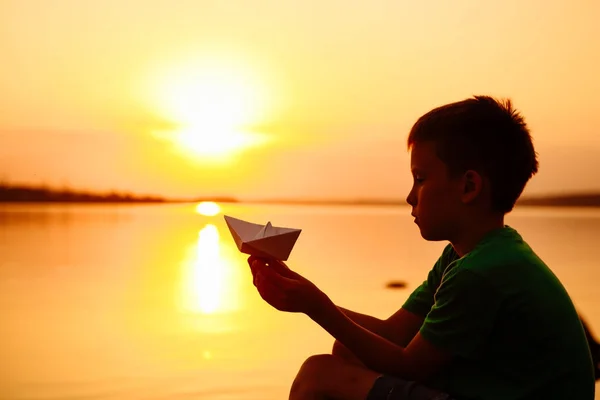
{"x": 314, "y": 365}
{"x": 329, "y": 376}
{"x": 309, "y": 377}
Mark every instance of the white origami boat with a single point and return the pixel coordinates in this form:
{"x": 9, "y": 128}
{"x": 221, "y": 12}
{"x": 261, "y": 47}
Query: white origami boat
{"x": 266, "y": 241}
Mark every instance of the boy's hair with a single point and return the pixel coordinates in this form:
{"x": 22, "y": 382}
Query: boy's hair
{"x": 485, "y": 135}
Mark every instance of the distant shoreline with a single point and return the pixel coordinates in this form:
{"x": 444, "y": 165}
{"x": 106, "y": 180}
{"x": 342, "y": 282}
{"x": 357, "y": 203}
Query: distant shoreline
{"x": 563, "y": 200}
{"x": 42, "y": 194}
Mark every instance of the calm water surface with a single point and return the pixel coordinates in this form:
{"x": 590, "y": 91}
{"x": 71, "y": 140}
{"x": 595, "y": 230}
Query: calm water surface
{"x": 155, "y": 301}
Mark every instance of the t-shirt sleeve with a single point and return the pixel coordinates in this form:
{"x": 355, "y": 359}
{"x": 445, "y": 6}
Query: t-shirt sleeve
{"x": 463, "y": 314}
{"x": 421, "y": 299}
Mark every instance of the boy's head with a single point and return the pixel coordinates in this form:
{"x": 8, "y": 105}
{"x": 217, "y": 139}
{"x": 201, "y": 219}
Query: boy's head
{"x": 473, "y": 152}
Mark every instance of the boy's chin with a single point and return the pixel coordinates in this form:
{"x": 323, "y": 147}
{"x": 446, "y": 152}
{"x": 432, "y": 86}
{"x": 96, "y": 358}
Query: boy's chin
{"x": 431, "y": 236}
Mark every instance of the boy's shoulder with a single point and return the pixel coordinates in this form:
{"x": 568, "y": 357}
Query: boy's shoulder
{"x": 501, "y": 257}
{"x": 500, "y": 248}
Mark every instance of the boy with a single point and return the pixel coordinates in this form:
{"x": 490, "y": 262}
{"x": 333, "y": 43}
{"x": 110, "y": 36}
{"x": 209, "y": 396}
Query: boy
{"x": 491, "y": 321}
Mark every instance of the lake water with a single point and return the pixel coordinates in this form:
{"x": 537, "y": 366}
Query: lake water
{"x": 155, "y": 301}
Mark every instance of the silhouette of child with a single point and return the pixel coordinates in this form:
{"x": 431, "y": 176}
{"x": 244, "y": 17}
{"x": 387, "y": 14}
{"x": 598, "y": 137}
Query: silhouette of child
{"x": 490, "y": 321}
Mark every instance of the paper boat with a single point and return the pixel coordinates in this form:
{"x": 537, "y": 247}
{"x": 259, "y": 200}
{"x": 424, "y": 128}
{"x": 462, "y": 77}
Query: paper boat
{"x": 266, "y": 241}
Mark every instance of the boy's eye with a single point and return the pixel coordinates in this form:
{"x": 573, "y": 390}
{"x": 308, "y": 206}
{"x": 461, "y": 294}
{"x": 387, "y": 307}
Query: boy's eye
{"x": 419, "y": 180}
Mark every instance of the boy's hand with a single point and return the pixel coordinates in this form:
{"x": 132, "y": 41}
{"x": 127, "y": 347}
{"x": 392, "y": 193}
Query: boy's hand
{"x": 285, "y": 289}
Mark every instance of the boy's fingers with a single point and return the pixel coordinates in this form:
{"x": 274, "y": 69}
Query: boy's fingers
{"x": 255, "y": 264}
{"x": 281, "y": 268}
{"x": 268, "y": 273}
{"x": 274, "y": 269}
{"x": 253, "y": 270}
{"x": 251, "y": 259}
{"x": 277, "y": 266}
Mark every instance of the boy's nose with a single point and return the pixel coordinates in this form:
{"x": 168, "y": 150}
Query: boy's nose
{"x": 411, "y": 198}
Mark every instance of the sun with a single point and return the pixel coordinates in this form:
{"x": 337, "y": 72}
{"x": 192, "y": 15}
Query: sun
{"x": 211, "y": 141}
{"x": 214, "y": 105}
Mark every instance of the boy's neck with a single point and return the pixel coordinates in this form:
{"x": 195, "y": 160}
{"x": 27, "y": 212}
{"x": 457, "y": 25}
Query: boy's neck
{"x": 474, "y": 233}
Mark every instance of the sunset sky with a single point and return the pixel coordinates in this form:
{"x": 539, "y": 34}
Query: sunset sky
{"x": 265, "y": 98}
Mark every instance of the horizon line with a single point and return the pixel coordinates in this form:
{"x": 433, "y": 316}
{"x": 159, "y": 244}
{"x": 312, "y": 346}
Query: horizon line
{"x": 41, "y": 193}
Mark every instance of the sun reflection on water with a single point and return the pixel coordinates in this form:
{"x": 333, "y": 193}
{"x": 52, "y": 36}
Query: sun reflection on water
{"x": 211, "y": 281}
{"x": 208, "y": 208}
{"x": 209, "y": 277}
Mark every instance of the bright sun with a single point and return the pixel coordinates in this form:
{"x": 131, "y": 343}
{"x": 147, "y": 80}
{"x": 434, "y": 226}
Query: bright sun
{"x": 213, "y": 104}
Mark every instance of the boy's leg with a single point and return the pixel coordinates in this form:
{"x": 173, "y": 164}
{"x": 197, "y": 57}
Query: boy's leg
{"x": 326, "y": 376}
{"x": 331, "y": 377}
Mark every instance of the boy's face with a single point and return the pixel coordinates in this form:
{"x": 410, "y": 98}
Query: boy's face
{"x": 435, "y": 197}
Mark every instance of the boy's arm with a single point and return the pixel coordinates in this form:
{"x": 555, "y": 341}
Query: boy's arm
{"x": 400, "y": 328}
{"x": 404, "y": 324}
{"x": 459, "y": 324}
{"x": 417, "y": 361}
{"x": 369, "y": 322}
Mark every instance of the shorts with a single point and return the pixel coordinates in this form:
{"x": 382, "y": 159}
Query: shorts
{"x": 391, "y": 388}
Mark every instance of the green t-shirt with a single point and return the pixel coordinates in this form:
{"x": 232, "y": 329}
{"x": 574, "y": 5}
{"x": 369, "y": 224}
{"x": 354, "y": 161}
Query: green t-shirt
{"x": 509, "y": 322}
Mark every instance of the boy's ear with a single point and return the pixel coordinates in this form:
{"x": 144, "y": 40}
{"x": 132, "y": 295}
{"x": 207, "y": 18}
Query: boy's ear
{"x": 472, "y": 186}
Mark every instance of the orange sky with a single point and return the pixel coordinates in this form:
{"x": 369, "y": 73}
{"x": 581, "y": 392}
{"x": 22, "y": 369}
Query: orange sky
{"x": 95, "y": 94}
